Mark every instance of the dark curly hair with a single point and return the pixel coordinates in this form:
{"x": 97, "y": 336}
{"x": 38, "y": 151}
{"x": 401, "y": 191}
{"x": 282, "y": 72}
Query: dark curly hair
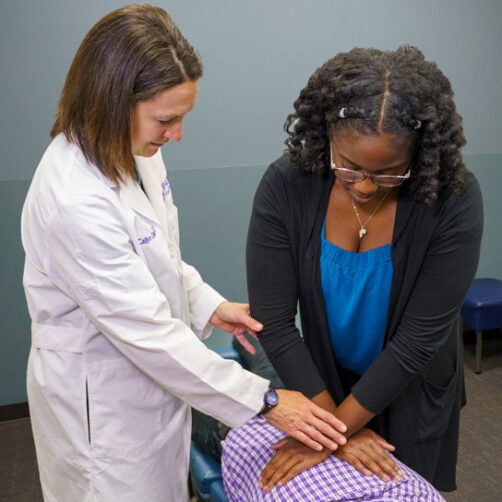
{"x": 396, "y": 92}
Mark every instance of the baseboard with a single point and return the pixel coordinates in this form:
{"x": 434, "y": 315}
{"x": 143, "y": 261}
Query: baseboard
{"x": 14, "y": 411}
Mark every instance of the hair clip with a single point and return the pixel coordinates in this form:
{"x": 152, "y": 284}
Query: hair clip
{"x": 418, "y": 124}
{"x": 343, "y": 112}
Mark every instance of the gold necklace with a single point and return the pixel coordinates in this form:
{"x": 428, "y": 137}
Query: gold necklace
{"x": 362, "y": 230}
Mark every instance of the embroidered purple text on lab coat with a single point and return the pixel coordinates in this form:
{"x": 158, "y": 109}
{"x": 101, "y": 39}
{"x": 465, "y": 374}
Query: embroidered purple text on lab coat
{"x": 148, "y": 238}
{"x": 166, "y": 188}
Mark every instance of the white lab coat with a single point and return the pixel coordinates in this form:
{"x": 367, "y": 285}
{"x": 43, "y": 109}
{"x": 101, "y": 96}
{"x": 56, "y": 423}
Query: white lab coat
{"x": 117, "y": 322}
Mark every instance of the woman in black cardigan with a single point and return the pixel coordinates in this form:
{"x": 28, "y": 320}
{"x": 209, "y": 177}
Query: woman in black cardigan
{"x": 372, "y": 225}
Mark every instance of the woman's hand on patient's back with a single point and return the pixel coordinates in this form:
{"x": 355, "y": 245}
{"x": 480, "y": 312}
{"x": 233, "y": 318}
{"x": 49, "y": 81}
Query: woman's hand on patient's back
{"x": 291, "y": 459}
{"x": 303, "y": 420}
{"x": 367, "y": 451}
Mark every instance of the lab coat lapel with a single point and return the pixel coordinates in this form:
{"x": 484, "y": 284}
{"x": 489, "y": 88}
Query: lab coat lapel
{"x": 152, "y": 179}
{"x": 134, "y": 197}
{"x": 152, "y": 173}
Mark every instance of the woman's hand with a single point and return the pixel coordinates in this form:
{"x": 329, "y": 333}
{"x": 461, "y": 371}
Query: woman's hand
{"x": 235, "y": 319}
{"x": 367, "y": 452}
{"x": 296, "y": 415}
{"x": 310, "y": 424}
{"x": 291, "y": 459}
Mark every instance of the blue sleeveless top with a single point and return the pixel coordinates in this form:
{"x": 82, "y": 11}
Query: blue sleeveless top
{"x": 356, "y": 289}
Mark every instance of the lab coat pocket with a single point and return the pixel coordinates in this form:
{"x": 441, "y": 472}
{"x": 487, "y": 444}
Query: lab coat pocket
{"x": 58, "y": 338}
{"x": 435, "y": 408}
{"x": 125, "y": 409}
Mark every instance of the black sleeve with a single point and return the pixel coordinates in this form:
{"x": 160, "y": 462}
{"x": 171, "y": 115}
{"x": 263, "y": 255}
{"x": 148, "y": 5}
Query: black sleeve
{"x": 272, "y": 284}
{"x": 437, "y": 294}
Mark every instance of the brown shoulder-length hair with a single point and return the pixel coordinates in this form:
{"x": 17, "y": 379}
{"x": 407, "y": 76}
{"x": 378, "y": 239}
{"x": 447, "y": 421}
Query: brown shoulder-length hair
{"x": 130, "y": 55}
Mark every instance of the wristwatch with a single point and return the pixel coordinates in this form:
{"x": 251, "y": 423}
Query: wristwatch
{"x": 270, "y": 400}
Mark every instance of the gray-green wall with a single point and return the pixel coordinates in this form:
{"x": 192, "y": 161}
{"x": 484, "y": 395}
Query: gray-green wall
{"x": 258, "y": 54}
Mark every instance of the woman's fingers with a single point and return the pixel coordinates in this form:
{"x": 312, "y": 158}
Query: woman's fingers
{"x": 313, "y": 439}
{"x": 241, "y": 337}
{"x": 279, "y": 444}
{"x": 276, "y": 469}
{"x": 235, "y": 319}
{"x": 310, "y": 424}
{"x": 385, "y": 445}
{"x": 328, "y": 424}
{"x": 356, "y": 462}
{"x": 291, "y": 460}
{"x": 380, "y": 465}
{"x": 284, "y": 473}
{"x": 365, "y": 452}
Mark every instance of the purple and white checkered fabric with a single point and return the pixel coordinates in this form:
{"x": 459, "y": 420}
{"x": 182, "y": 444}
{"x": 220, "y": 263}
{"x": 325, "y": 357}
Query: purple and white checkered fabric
{"x": 246, "y": 451}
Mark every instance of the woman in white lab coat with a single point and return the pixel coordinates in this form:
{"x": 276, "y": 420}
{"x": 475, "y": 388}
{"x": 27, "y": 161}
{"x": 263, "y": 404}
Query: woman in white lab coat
{"x": 117, "y": 316}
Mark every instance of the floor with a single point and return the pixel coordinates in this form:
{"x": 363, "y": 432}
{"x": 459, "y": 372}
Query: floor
{"x": 479, "y": 470}
{"x": 480, "y": 460}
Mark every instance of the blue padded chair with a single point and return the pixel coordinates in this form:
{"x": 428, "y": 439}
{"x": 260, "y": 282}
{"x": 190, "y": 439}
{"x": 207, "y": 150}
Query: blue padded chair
{"x": 217, "y": 492}
{"x": 204, "y": 469}
{"x": 482, "y": 310}
{"x": 205, "y": 472}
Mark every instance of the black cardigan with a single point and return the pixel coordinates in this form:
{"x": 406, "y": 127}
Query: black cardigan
{"x": 418, "y": 376}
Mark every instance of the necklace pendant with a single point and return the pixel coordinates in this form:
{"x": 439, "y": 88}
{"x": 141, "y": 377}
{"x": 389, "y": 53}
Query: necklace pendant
{"x": 362, "y": 233}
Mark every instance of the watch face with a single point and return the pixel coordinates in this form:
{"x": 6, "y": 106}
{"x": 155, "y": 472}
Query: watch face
{"x": 271, "y": 398}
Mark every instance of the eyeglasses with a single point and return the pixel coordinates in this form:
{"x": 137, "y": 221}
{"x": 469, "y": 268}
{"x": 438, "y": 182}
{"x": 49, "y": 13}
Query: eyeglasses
{"x": 381, "y": 180}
